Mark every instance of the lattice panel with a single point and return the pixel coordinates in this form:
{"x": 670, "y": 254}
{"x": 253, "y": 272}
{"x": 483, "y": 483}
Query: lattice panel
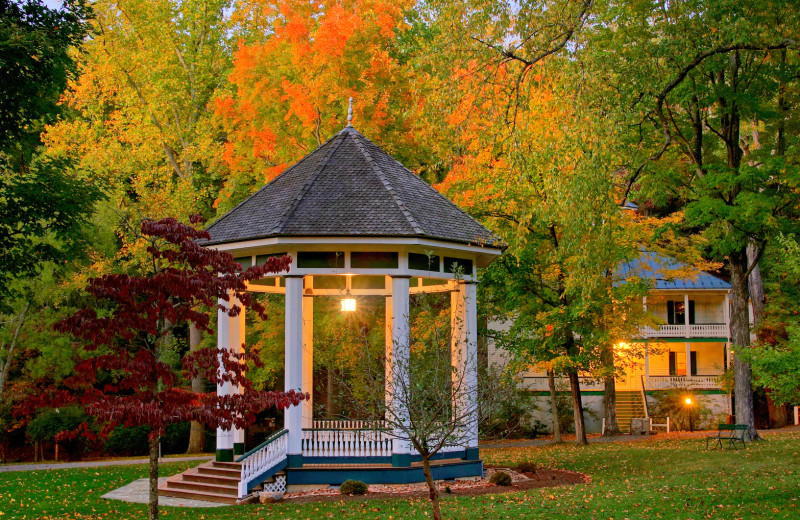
{"x": 279, "y": 486}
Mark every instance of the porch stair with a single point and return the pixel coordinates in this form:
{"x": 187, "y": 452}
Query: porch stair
{"x": 210, "y": 481}
{"x": 629, "y": 405}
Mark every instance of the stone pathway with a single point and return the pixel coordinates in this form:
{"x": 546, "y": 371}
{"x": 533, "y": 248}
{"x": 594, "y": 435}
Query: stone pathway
{"x": 92, "y": 464}
{"x": 138, "y": 492}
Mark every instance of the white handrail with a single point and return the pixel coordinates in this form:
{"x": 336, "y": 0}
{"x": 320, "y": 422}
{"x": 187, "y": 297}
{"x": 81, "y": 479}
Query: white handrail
{"x": 330, "y": 442}
{"x": 262, "y": 458}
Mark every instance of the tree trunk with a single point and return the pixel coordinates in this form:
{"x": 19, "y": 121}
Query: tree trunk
{"x": 778, "y": 418}
{"x": 11, "y": 347}
{"x": 152, "y": 503}
{"x": 197, "y": 432}
{"x": 740, "y": 337}
{"x": 433, "y": 493}
{"x": 577, "y": 407}
{"x": 609, "y": 392}
{"x": 756, "y": 284}
{"x": 551, "y": 381}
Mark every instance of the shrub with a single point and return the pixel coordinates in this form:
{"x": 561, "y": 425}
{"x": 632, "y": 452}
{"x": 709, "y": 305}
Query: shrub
{"x": 176, "y": 438}
{"x": 526, "y": 467}
{"x": 501, "y": 478}
{"x": 52, "y": 421}
{"x": 128, "y": 441}
{"x": 353, "y": 487}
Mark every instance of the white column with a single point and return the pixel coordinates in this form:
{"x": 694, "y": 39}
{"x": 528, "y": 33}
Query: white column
{"x": 688, "y": 359}
{"x": 237, "y": 335}
{"x": 388, "y": 355}
{"x": 308, "y": 360}
{"x": 464, "y": 355}
{"x": 646, "y": 362}
{"x": 293, "y": 375}
{"x": 224, "y": 436}
{"x": 726, "y": 316}
{"x": 686, "y": 318}
{"x": 401, "y": 447}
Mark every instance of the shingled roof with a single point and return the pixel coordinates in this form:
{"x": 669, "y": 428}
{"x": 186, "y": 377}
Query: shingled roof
{"x": 349, "y": 187}
{"x": 659, "y": 268}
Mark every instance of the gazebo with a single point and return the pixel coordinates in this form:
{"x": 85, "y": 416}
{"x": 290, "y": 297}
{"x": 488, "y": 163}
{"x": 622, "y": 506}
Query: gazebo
{"x": 355, "y": 222}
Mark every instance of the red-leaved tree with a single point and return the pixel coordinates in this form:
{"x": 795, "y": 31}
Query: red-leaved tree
{"x": 125, "y": 380}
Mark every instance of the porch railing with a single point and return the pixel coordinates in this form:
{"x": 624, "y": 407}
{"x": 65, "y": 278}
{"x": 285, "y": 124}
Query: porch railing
{"x": 344, "y": 442}
{"x": 268, "y": 457}
{"x": 697, "y": 330}
{"x": 689, "y": 382}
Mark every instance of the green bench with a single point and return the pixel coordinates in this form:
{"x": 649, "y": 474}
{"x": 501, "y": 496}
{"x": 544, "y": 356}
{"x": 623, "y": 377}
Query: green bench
{"x": 730, "y": 433}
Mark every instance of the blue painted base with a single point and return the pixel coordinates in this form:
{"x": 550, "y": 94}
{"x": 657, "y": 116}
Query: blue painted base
{"x": 401, "y": 460}
{"x": 472, "y": 454}
{"x": 225, "y": 455}
{"x": 386, "y": 475}
{"x": 238, "y": 448}
{"x": 294, "y": 461}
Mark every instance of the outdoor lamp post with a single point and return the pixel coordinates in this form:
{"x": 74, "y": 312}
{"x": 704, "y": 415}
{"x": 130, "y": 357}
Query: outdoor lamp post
{"x": 689, "y": 411}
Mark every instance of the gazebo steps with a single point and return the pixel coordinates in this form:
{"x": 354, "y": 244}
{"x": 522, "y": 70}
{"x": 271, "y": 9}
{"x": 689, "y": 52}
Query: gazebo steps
{"x": 211, "y": 481}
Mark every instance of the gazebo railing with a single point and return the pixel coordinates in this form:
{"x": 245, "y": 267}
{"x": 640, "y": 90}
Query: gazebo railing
{"x": 348, "y": 424}
{"x": 336, "y": 442}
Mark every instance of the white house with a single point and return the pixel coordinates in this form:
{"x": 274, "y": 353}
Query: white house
{"x": 688, "y": 350}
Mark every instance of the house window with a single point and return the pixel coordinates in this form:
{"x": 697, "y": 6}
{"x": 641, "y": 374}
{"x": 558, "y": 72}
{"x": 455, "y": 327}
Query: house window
{"x": 677, "y": 363}
{"x": 676, "y": 312}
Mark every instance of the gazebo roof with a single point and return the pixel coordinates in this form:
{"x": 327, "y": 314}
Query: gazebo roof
{"x": 349, "y": 187}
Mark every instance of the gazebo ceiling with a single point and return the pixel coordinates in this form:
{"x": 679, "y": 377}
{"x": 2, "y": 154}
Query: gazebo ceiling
{"x": 349, "y": 187}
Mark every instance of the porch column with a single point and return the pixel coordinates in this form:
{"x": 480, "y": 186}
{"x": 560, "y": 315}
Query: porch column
{"x": 308, "y": 360}
{"x": 388, "y": 355}
{"x": 646, "y": 362}
{"x": 237, "y": 335}
{"x": 293, "y": 377}
{"x": 224, "y": 326}
{"x": 464, "y": 356}
{"x": 401, "y": 447}
{"x": 688, "y": 359}
{"x": 686, "y": 318}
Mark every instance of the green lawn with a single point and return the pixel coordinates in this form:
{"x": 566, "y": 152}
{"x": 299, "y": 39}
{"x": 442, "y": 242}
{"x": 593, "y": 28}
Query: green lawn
{"x": 672, "y": 479}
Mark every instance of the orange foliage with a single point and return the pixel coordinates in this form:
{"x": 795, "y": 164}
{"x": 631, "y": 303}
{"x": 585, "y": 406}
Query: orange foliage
{"x": 289, "y": 91}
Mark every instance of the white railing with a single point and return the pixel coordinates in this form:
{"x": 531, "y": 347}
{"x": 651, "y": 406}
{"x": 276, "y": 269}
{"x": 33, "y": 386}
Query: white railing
{"x": 702, "y": 330}
{"x": 347, "y": 424}
{"x": 262, "y": 458}
{"x": 668, "y": 382}
{"x": 335, "y": 442}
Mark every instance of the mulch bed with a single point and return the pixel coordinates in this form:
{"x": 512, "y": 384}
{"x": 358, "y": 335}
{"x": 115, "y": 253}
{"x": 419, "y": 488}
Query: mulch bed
{"x": 542, "y": 478}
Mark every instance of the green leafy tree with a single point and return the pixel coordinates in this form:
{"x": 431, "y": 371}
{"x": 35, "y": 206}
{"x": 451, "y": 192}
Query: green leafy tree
{"x": 705, "y": 89}
{"x": 43, "y": 205}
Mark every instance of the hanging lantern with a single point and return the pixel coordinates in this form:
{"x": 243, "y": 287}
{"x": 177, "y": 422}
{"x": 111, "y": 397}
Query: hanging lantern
{"x": 348, "y": 303}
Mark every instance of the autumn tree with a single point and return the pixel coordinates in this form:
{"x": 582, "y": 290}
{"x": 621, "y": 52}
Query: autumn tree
{"x": 127, "y": 380}
{"x": 296, "y": 66}
{"x": 530, "y": 160}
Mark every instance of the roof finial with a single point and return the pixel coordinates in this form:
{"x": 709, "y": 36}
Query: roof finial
{"x": 350, "y": 113}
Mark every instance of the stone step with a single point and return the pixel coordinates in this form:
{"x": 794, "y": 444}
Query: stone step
{"x": 208, "y": 497}
{"x": 193, "y": 475}
{"x": 224, "y": 488}
{"x": 222, "y": 472}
